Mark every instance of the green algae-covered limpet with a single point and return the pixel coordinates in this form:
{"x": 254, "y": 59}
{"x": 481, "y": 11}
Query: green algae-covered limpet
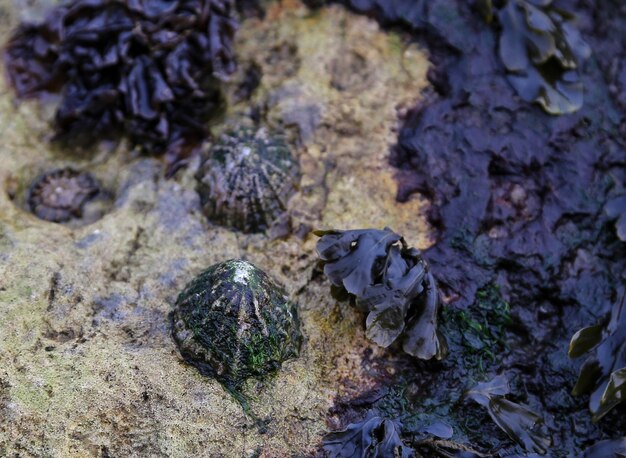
{"x": 233, "y": 322}
{"x": 246, "y": 179}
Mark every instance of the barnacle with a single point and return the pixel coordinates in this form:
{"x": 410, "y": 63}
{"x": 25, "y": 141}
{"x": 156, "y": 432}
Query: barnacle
{"x": 233, "y": 322}
{"x": 60, "y": 195}
{"x": 144, "y": 67}
{"x": 543, "y": 53}
{"x": 247, "y": 179}
{"x": 603, "y": 374}
{"x": 391, "y": 282}
{"x": 518, "y": 421}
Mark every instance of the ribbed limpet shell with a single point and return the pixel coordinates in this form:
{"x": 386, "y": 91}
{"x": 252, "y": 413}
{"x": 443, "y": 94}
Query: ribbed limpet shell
{"x": 60, "y": 195}
{"x": 246, "y": 179}
{"x": 233, "y": 322}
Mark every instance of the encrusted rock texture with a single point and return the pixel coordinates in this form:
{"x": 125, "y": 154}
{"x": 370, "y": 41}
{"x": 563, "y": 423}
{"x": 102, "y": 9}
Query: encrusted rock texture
{"x": 87, "y": 363}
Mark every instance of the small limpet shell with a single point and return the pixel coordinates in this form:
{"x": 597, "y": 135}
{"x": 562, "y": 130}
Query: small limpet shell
{"x": 246, "y": 180}
{"x": 60, "y": 195}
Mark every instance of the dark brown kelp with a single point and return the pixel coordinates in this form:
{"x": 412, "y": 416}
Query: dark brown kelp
{"x": 615, "y": 448}
{"x": 519, "y": 422}
{"x": 375, "y": 438}
{"x": 389, "y": 281}
{"x": 410, "y": 12}
{"x": 145, "y": 68}
{"x": 543, "y": 51}
{"x": 603, "y": 374}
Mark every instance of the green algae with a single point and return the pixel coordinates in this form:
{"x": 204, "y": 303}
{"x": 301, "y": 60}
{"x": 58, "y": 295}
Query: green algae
{"x": 478, "y": 334}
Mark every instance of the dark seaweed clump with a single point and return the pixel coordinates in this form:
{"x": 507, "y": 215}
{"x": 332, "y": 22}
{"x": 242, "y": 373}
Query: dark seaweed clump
{"x": 603, "y": 374}
{"x": 543, "y": 52}
{"x": 539, "y": 43}
{"x": 376, "y": 437}
{"x": 143, "y": 67}
{"x": 517, "y": 420}
{"x": 389, "y": 281}
{"x": 518, "y": 202}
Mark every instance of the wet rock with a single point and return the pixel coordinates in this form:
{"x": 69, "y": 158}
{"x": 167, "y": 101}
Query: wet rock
{"x": 115, "y": 382}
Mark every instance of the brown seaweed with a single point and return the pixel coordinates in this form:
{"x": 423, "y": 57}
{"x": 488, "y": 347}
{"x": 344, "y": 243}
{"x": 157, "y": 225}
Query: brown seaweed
{"x": 389, "y": 281}
{"x": 615, "y": 448}
{"x": 543, "y": 51}
{"x": 149, "y": 69}
{"x": 374, "y": 438}
{"x": 517, "y": 420}
{"x": 603, "y": 374}
{"x": 539, "y": 45}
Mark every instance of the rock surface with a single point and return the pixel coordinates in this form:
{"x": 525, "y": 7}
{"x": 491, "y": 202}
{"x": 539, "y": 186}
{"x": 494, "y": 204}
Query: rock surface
{"x": 87, "y": 363}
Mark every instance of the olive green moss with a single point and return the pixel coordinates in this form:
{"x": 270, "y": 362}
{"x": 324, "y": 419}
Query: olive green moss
{"x": 478, "y": 333}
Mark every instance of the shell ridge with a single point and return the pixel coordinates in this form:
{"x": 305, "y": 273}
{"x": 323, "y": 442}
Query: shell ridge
{"x": 252, "y": 176}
